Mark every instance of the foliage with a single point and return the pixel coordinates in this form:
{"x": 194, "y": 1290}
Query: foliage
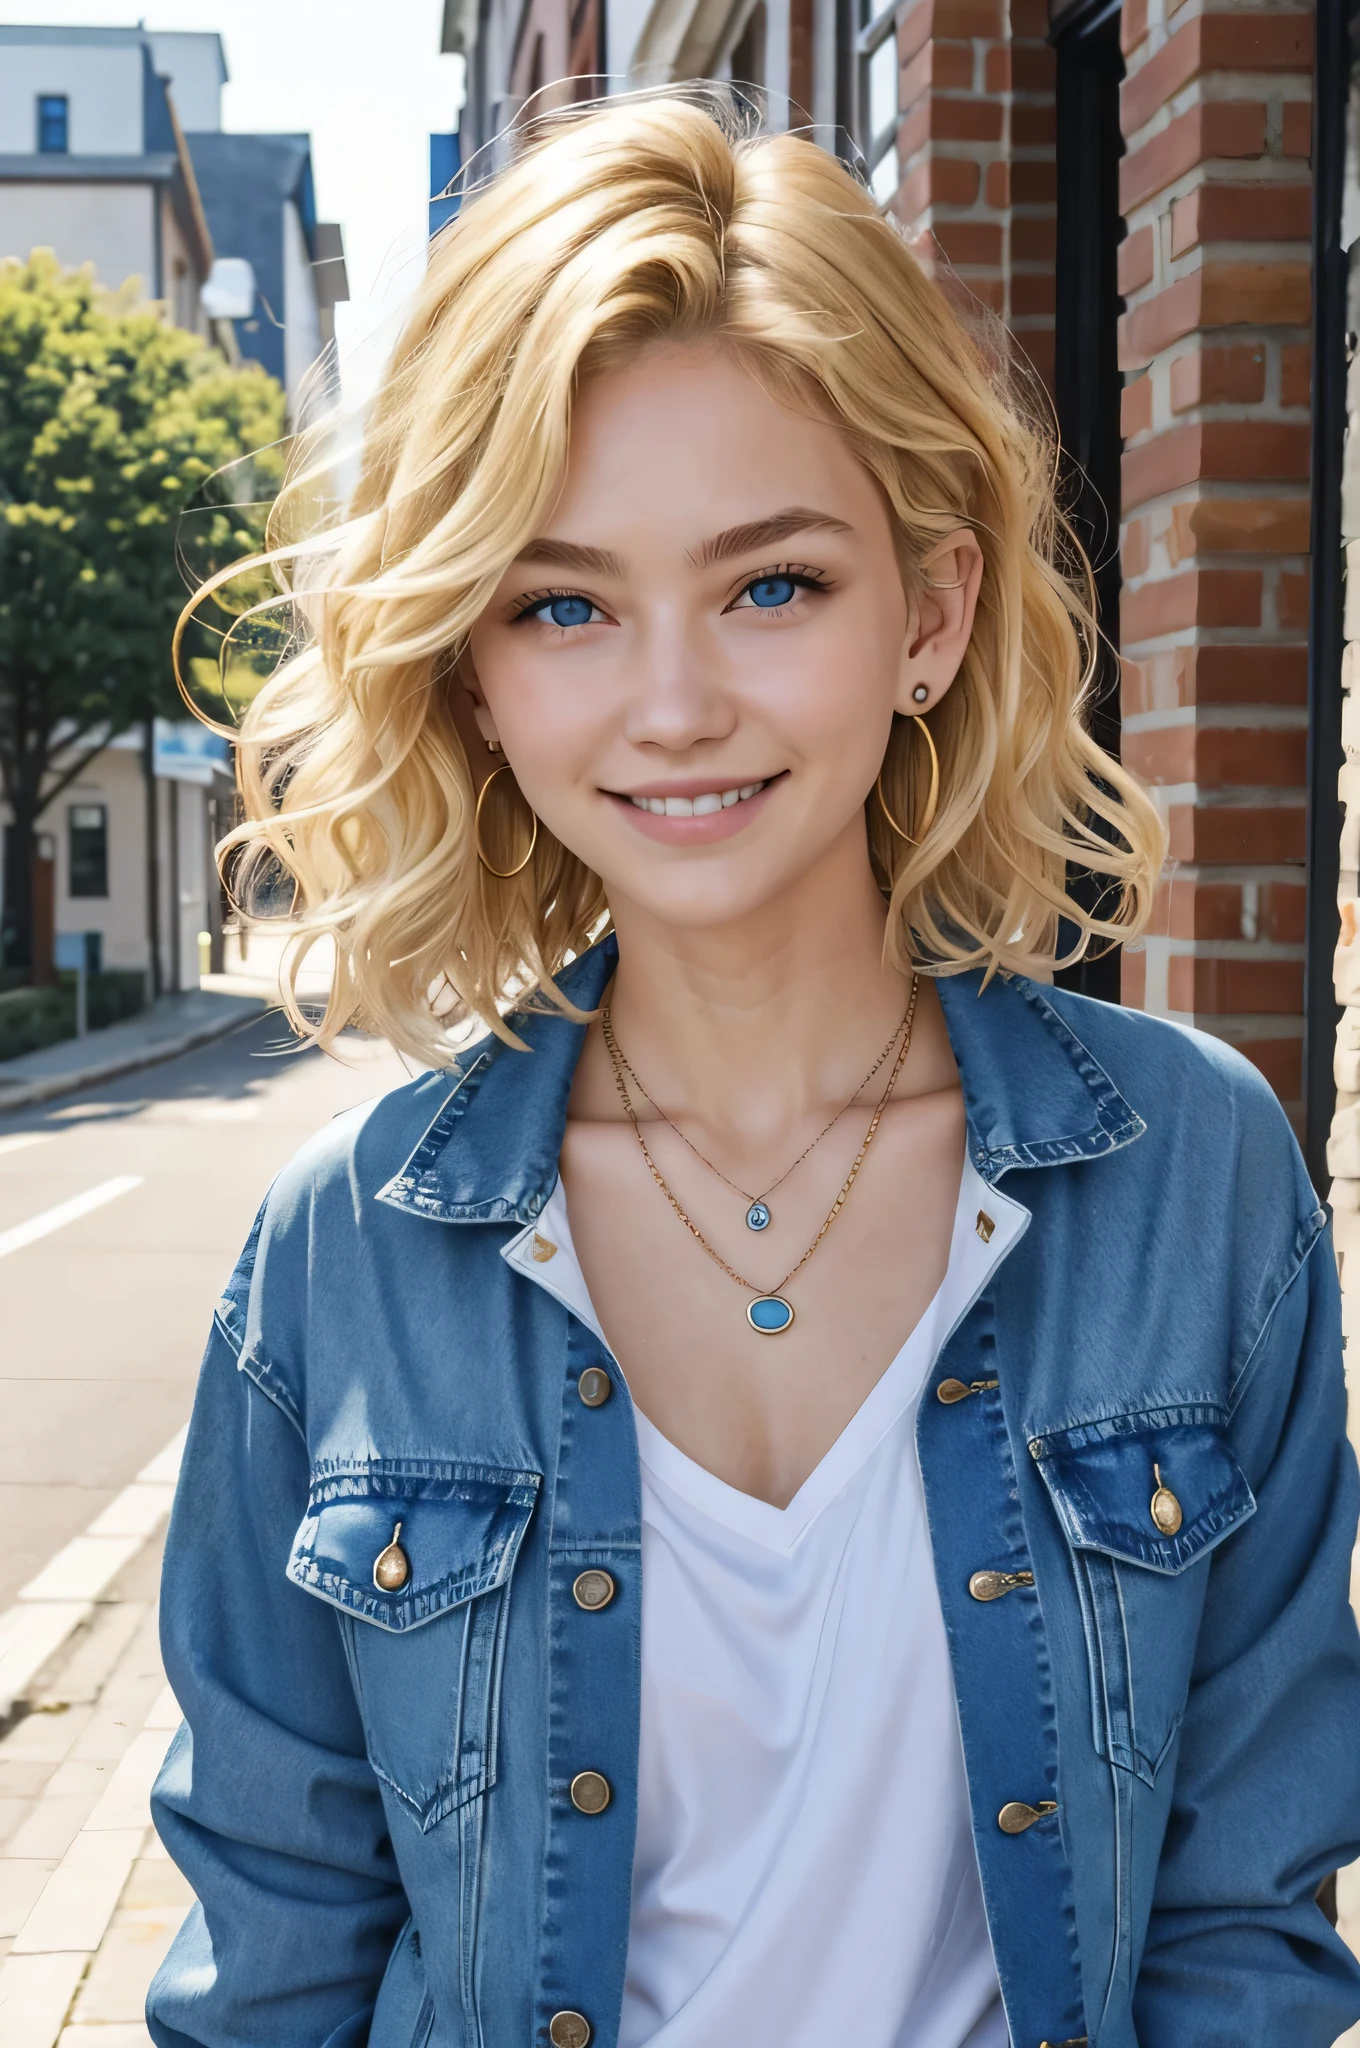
{"x": 34, "y": 1017}
{"x": 112, "y": 422}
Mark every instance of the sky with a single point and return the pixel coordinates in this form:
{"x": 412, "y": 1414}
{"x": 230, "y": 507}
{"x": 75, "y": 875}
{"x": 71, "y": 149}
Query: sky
{"x": 366, "y": 79}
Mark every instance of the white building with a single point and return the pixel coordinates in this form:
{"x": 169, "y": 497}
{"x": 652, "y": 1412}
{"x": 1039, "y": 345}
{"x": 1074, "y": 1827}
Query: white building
{"x": 112, "y": 153}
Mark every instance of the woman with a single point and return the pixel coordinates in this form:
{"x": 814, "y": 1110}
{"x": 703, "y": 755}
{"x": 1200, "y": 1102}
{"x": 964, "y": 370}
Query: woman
{"x": 798, "y": 1494}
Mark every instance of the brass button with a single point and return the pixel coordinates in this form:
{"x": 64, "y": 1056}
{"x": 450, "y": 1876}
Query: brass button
{"x": 950, "y": 1391}
{"x": 593, "y": 1590}
{"x": 590, "y": 1792}
{"x": 569, "y": 2030}
{"x": 391, "y": 1567}
{"x": 544, "y": 1249}
{"x": 994, "y": 1585}
{"x": 984, "y": 1226}
{"x": 1015, "y": 1816}
{"x": 1165, "y": 1509}
{"x": 594, "y": 1386}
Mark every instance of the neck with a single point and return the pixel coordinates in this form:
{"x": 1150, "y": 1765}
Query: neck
{"x": 759, "y": 1022}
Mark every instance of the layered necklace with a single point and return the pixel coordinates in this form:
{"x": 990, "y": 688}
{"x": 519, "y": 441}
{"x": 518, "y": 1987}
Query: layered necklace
{"x": 768, "y": 1313}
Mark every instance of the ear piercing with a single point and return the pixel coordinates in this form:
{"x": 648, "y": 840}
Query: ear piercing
{"x": 494, "y": 747}
{"x": 920, "y": 693}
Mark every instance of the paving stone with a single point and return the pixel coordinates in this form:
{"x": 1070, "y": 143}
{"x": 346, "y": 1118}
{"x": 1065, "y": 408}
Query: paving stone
{"x": 134, "y": 2036}
{"x": 156, "y": 1881}
{"x": 21, "y": 1880}
{"x": 78, "y": 1779}
{"x": 50, "y": 1828}
{"x": 46, "y": 1736}
{"x": 91, "y": 1655}
{"x": 22, "y": 1777}
{"x": 129, "y": 1956}
{"x": 77, "y": 1903}
{"x": 35, "y": 1997}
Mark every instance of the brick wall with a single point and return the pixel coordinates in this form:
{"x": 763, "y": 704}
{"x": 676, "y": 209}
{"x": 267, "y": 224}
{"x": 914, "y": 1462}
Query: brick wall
{"x": 976, "y": 147}
{"x": 1215, "y": 350}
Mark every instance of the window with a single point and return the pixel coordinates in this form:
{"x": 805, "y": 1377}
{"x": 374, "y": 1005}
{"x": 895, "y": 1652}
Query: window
{"x": 878, "y": 69}
{"x": 89, "y": 850}
{"x": 53, "y": 125}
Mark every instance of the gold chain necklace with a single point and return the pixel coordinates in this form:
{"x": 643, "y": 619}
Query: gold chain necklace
{"x": 769, "y": 1314}
{"x": 758, "y": 1216}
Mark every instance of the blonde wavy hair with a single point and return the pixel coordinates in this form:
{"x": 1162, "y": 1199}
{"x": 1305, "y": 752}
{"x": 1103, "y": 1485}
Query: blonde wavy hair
{"x": 642, "y": 220}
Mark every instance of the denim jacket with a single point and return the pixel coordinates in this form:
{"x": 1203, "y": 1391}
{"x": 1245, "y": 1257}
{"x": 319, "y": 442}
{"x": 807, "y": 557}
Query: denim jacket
{"x": 370, "y": 1794}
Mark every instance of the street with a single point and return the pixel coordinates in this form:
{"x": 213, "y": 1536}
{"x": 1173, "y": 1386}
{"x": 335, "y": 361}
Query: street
{"x": 121, "y": 1215}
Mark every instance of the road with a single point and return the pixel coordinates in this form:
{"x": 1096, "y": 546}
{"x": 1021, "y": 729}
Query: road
{"x": 103, "y": 1316}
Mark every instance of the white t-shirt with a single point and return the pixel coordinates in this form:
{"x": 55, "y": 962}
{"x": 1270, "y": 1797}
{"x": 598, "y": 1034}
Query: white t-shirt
{"x": 804, "y": 1870}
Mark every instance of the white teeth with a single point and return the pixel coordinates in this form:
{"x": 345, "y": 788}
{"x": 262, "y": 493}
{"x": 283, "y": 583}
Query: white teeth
{"x": 695, "y": 807}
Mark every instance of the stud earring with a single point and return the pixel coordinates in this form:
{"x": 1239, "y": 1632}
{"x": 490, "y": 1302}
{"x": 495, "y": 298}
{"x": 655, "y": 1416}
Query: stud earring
{"x": 494, "y": 747}
{"x": 920, "y": 693}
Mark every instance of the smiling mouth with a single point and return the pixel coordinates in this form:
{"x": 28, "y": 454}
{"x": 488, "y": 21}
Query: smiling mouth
{"x": 702, "y": 806}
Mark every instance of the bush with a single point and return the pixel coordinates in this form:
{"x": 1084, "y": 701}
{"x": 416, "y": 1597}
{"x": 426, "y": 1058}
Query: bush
{"x": 31, "y": 1018}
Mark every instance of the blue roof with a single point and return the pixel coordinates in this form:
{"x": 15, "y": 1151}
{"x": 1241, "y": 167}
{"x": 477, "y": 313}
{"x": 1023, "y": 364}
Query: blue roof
{"x": 243, "y": 181}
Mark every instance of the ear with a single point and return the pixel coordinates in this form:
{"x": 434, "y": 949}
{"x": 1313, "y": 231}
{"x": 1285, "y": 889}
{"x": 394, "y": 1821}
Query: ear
{"x": 475, "y": 726}
{"x": 939, "y": 622}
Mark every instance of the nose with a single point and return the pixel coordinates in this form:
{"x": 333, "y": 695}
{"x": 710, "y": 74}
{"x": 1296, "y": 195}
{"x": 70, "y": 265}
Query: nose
{"x": 678, "y": 696}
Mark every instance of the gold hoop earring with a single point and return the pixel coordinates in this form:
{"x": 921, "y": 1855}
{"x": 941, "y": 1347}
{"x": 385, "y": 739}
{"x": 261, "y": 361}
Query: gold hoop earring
{"x": 932, "y": 801}
{"x": 501, "y": 874}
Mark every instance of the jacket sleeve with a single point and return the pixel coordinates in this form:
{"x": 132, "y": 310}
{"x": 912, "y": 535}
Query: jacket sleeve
{"x": 266, "y": 1800}
{"x": 1267, "y": 1792}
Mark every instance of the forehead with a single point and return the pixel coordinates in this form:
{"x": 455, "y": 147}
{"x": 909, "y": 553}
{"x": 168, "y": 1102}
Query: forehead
{"x": 685, "y": 436}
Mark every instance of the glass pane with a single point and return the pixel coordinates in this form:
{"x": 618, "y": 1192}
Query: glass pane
{"x": 886, "y": 176}
{"x": 89, "y": 817}
{"x": 883, "y": 69}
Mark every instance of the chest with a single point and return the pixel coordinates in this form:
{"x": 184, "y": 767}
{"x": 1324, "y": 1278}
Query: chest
{"x": 671, "y": 1271}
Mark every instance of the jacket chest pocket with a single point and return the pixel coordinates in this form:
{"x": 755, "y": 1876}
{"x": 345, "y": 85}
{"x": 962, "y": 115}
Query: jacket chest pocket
{"x": 419, "y": 1563}
{"x": 1143, "y": 1500}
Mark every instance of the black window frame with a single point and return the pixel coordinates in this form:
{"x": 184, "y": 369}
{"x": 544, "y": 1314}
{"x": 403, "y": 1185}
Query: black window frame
{"x": 81, "y": 863}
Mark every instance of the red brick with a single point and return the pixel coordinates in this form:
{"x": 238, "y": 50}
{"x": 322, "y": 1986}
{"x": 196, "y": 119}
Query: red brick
{"x": 1296, "y": 373}
{"x": 939, "y": 181}
{"x": 1038, "y": 346}
{"x": 1240, "y": 526}
{"x": 1134, "y": 552}
{"x": 1280, "y": 1060}
{"x": 1291, "y": 601}
{"x": 1216, "y": 42}
{"x": 1241, "y": 213}
{"x": 1200, "y": 597}
{"x": 1135, "y": 261}
{"x": 970, "y": 242}
{"x": 942, "y": 120}
{"x": 1135, "y": 412}
{"x": 947, "y": 67}
{"x": 1032, "y": 293}
{"x": 1297, "y": 136}
{"x": 1282, "y": 913}
{"x": 1214, "y": 128}
{"x": 1033, "y": 67}
{"x": 1029, "y": 19}
{"x": 1132, "y": 25}
{"x": 1217, "y": 757}
{"x": 1218, "y": 376}
{"x": 951, "y": 20}
{"x": 1032, "y": 183}
{"x": 1222, "y": 451}
{"x": 1034, "y": 238}
{"x": 1033, "y": 127}
{"x": 1225, "y": 988}
{"x": 996, "y": 73}
{"x": 1133, "y": 966}
{"x": 1210, "y": 833}
{"x": 1221, "y": 293}
{"x": 1243, "y": 675}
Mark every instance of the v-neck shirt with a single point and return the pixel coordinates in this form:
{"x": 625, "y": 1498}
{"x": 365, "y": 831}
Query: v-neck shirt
{"x": 804, "y": 1868}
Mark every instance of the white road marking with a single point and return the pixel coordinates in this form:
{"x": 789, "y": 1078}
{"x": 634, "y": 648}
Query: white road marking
{"x": 21, "y": 1140}
{"x": 66, "y": 1212}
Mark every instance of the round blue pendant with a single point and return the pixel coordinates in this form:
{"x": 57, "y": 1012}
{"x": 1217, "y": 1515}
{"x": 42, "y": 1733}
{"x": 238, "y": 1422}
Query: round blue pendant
{"x": 757, "y": 1217}
{"x": 770, "y": 1314}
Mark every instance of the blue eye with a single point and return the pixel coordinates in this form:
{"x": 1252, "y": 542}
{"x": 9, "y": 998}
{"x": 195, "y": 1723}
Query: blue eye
{"x": 771, "y": 591}
{"x": 568, "y": 611}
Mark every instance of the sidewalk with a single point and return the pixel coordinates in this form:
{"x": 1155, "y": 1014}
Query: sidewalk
{"x": 174, "y": 1025}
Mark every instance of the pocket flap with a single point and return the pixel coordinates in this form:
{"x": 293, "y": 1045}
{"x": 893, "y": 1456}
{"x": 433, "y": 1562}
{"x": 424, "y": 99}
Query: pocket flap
{"x": 1102, "y": 1477}
{"x": 461, "y": 1527}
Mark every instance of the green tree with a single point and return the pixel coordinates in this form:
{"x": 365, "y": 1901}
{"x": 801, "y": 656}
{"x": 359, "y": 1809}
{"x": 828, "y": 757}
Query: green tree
{"x": 112, "y": 422}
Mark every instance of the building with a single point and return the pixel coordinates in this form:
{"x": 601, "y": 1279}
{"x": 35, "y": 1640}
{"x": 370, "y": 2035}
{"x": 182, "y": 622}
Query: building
{"x": 112, "y": 153}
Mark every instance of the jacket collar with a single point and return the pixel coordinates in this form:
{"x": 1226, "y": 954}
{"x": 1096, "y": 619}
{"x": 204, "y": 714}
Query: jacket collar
{"x": 1035, "y": 1096}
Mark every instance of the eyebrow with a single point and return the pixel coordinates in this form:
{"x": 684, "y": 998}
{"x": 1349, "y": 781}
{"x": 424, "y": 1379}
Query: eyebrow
{"x": 568, "y": 554}
{"x": 764, "y": 533}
